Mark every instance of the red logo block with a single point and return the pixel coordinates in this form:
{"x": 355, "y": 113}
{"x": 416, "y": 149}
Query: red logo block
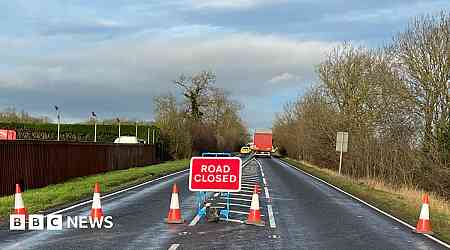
{"x": 218, "y": 174}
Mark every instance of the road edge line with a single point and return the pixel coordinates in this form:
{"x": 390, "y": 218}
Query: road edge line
{"x": 365, "y": 203}
{"x": 269, "y": 206}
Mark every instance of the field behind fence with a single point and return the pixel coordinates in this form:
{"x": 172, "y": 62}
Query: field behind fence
{"x": 40, "y": 163}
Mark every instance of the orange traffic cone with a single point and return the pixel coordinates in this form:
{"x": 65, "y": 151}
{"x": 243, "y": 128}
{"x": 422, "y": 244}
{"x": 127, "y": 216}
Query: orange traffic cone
{"x": 174, "y": 216}
{"x": 254, "y": 217}
{"x": 19, "y": 207}
{"x": 96, "y": 211}
{"x": 424, "y": 224}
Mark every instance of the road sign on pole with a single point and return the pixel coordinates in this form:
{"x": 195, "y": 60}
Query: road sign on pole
{"x": 341, "y": 146}
{"x": 218, "y": 174}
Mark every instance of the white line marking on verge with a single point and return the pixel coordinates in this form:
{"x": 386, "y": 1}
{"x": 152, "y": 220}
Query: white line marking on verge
{"x": 174, "y": 246}
{"x": 271, "y": 217}
{"x": 115, "y": 193}
{"x": 269, "y": 207}
{"x": 365, "y": 203}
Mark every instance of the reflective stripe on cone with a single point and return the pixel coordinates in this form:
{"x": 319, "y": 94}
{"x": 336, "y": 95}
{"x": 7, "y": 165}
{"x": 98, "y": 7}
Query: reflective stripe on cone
{"x": 174, "y": 215}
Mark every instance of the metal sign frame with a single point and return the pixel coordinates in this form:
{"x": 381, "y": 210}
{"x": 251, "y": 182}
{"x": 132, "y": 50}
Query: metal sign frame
{"x": 216, "y": 189}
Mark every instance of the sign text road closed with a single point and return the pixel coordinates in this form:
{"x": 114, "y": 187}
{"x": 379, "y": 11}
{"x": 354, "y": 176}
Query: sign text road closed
{"x": 219, "y": 174}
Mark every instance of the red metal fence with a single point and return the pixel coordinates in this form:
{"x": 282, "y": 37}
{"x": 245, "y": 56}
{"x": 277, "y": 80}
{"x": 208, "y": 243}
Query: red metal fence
{"x": 40, "y": 163}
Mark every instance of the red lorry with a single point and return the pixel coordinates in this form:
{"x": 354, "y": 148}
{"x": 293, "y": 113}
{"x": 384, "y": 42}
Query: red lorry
{"x": 6, "y": 134}
{"x": 262, "y": 142}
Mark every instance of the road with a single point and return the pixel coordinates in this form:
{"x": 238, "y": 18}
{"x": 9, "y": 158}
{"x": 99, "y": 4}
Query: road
{"x": 299, "y": 213}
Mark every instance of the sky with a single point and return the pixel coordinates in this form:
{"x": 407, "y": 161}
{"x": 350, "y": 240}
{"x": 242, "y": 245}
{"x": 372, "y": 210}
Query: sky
{"x": 114, "y": 56}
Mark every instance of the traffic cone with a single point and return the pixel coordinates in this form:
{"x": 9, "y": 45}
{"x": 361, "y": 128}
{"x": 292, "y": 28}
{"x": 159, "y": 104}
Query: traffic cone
{"x": 19, "y": 207}
{"x": 96, "y": 211}
{"x": 254, "y": 217}
{"x": 174, "y": 215}
{"x": 424, "y": 224}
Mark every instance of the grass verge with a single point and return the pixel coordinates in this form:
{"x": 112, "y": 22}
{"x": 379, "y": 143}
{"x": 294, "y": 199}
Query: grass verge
{"x": 80, "y": 188}
{"x": 402, "y": 202}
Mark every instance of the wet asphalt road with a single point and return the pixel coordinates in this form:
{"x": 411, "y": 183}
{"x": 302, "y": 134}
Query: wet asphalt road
{"x": 138, "y": 217}
{"x": 307, "y": 214}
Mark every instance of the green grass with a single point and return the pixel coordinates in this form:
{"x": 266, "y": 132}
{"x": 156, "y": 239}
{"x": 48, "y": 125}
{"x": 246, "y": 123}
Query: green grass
{"x": 403, "y": 202}
{"x": 80, "y": 188}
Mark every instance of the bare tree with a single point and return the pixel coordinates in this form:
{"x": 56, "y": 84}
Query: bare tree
{"x": 423, "y": 60}
{"x": 195, "y": 90}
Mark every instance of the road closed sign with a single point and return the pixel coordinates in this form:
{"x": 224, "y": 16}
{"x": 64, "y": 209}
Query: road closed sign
{"x": 218, "y": 174}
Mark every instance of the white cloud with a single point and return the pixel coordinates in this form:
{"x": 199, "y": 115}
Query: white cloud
{"x": 141, "y": 68}
{"x": 232, "y": 4}
{"x": 284, "y": 77}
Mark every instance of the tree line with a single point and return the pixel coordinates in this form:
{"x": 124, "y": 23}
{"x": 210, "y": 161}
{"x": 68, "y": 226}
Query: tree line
{"x": 394, "y": 102}
{"x": 206, "y": 119}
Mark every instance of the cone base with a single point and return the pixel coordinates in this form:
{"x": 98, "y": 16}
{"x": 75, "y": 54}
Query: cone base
{"x": 255, "y": 223}
{"x": 423, "y": 232}
{"x": 172, "y": 221}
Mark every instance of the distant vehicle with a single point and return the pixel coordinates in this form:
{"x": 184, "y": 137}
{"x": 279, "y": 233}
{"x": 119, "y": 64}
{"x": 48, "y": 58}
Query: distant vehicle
{"x": 216, "y": 155}
{"x": 246, "y": 150}
{"x": 128, "y": 140}
{"x": 6, "y": 134}
{"x": 262, "y": 142}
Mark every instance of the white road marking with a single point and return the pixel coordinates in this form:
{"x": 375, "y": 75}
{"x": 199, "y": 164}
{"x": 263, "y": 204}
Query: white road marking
{"x": 115, "y": 193}
{"x": 240, "y": 199}
{"x": 232, "y": 220}
{"x": 251, "y": 180}
{"x": 234, "y": 204}
{"x": 241, "y": 212}
{"x": 250, "y": 176}
{"x": 271, "y": 217}
{"x": 249, "y": 183}
{"x": 246, "y": 191}
{"x": 245, "y": 195}
{"x": 266, "y": 191}
{"x": 269, "y": 207}
{"x": 365, "y": 203}
{"x": 174, "y": 246}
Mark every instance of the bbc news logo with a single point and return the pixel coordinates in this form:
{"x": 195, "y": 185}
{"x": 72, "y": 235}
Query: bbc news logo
{"x": 56, "y": 222}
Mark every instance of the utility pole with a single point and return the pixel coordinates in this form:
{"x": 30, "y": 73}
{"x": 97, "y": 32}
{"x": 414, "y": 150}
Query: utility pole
{"x": 58, "y": 116}
{"x": 136, "y": 129}
{"x": 94, "y": 116}
{"x": 118, "y": 120}
{"x": 153, "y": 140}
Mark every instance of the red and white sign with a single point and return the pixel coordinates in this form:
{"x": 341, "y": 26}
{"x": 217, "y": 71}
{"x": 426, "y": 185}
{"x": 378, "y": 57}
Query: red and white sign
{"x": 7, "y": 134}
{"x": 218, "y": 174}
